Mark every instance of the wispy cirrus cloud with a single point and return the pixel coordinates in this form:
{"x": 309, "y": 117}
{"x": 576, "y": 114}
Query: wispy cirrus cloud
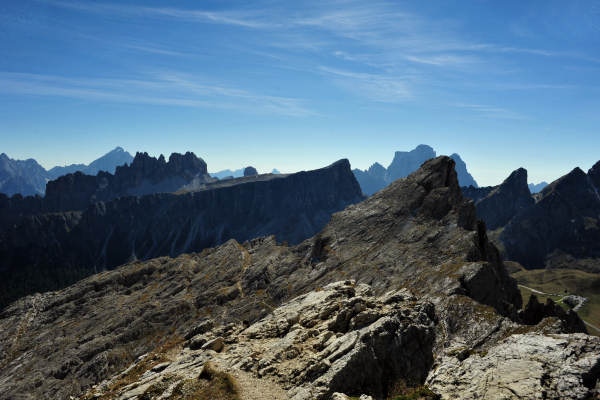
{"x": 167, "y": 89}
{"x": 242, "y": 19}
{"x": 489, "y": 111}
{"x": 377, "y": 87}
{"x": 375, "y": 49}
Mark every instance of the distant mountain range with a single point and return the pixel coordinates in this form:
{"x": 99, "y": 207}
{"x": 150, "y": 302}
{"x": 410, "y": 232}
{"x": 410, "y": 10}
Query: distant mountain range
{"x": 404, "y": 163}
{"x": 238, "y": 173}
{"x": 27, "y": 177}
{"x": 537, "y": 187}
{"x": 108, "y": 163}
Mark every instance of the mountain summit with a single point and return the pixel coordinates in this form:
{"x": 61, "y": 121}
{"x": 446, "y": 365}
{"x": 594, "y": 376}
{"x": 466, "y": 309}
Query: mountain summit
{"x": 404, "y": 163}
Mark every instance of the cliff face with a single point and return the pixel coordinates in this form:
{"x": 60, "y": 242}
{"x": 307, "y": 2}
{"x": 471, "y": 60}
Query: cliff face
{"x": 422, "y": 294}
{"x": 107, "y": 234}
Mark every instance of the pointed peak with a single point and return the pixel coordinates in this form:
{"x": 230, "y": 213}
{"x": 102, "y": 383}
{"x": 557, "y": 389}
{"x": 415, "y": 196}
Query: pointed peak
{"x": 518, "y": 175}
{"x": 574, "y": 179}
{"x": 423, "y": 147}
{"x": 437, "y": 172}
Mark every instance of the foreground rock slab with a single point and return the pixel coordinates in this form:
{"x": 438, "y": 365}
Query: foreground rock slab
{"x": 525, "y": 366}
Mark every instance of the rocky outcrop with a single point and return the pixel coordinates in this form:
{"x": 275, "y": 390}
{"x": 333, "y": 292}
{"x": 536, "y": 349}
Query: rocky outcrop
{"x": 404, "y": 163}
{"x": 393, "y": 289}
{"x": 107, "y": 234}
{"x": 337, "y": 339}
{"x": 502, "y": 203}
{"x": 529, "y": 366}
{"x": 250, "y": 171}
{"x": 534, "y": 312}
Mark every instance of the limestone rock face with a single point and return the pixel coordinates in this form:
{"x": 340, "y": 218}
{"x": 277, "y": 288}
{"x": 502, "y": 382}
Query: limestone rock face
{"x": 526, "y": 366}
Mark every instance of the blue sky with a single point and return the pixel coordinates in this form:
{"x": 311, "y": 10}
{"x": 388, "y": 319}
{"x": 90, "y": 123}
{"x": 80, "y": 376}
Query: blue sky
{"x": 298, "y": 85}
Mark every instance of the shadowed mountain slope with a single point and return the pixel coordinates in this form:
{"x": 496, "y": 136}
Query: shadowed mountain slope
{"x": 45, "y": 251}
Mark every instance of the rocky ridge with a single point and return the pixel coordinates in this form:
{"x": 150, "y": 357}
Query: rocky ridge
{"x": 77, "y": 191}
{"x": 555, "y": 228}
{"x": 408, "y": 269}
{"x": 48, "y": 251}
{"x": 560, "y": 228}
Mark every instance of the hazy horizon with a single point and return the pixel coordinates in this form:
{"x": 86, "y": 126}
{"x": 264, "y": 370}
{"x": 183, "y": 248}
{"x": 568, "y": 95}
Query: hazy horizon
{"x": 298, "y": 86}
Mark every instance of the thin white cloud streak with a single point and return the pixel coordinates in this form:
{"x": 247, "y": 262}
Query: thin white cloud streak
{"x": 165, "y": 89}
{"x": 387, "y": 89}
{"x": 151, "y": 49}
{"x": 491, "y": 111}
{"x": 228, "y": 18}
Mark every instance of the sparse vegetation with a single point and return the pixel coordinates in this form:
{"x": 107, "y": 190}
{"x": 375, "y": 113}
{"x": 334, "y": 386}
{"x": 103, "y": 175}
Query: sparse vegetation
{"x": 402, "y": 392}
{"x": 212, "y": 384}
{"x": 152, "y": 359}
{"x": 563, "y": 282}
